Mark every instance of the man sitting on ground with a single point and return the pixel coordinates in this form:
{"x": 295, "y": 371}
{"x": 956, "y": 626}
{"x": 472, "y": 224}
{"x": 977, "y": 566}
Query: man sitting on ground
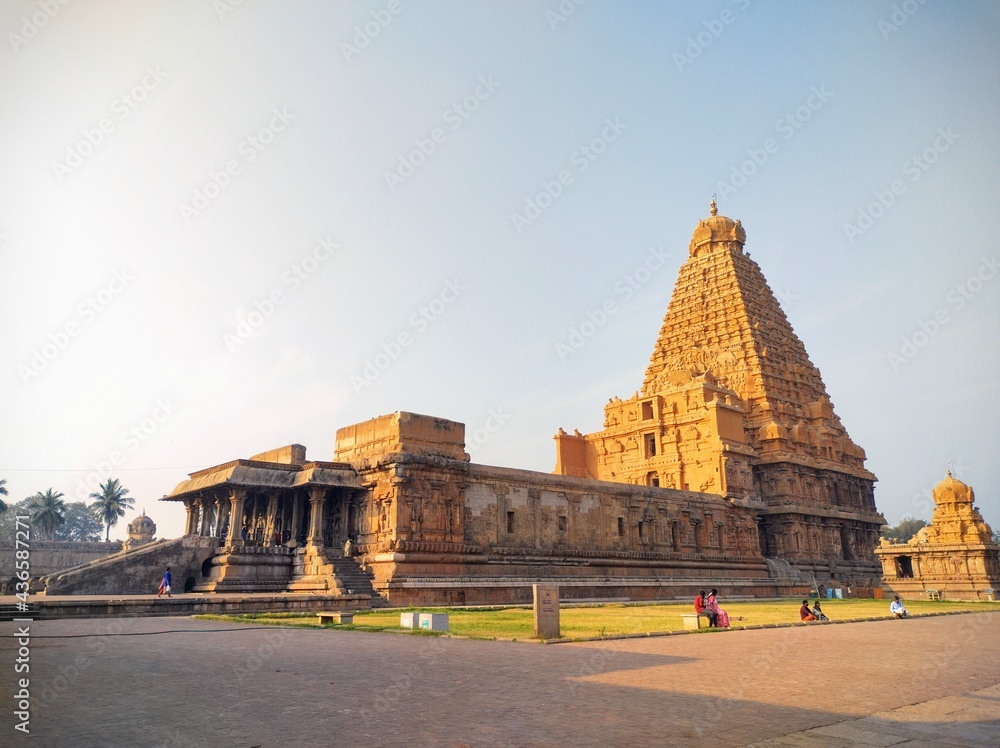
{"x": 700, "y": 609}
{"x": 897, "y": 609}
{"x": 818, "y": 612}
{"x": 805, "y": 614}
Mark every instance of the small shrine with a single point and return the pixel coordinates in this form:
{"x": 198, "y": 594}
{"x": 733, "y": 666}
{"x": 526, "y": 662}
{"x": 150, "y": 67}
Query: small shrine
{"x": 953, "y": 558}
{"x": 140, "y": 531}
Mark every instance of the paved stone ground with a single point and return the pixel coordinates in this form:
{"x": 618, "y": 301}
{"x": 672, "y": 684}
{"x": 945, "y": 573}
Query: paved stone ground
{"x": 177, "y": 682}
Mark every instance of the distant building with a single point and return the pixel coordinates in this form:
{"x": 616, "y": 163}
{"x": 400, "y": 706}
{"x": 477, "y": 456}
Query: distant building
{"x": 953, "y": 558}
{"x": 140, "y": 531}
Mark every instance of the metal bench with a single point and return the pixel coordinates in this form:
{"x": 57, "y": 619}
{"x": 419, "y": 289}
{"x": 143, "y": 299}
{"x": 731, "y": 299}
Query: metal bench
{"x": 933, "y": 595}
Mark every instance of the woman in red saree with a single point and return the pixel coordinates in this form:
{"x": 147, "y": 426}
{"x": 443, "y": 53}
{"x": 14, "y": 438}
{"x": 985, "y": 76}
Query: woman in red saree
{"x": 722, "y": 618}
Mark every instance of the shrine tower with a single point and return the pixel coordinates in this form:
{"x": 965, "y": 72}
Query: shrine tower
{"x": 732, "y": 405}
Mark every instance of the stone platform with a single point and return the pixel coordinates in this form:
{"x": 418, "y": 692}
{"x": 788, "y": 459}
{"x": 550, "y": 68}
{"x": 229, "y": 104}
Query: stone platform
{"x": 915, "y": 683}
{"x": 127, "y": 606}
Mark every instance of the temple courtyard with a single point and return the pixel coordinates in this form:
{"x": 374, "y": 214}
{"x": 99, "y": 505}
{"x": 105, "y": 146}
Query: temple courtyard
{"x": 184, "y": 682}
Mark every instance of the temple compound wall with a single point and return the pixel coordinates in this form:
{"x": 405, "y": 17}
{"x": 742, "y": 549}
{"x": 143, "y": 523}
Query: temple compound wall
{"x": 731, "y": 405}
{"x": 428, "y": 526}
{"x": 952, "y": 558}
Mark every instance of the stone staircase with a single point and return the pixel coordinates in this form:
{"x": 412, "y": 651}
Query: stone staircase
{"x": 353, "y": 578}
{"x": 317, "y": 571}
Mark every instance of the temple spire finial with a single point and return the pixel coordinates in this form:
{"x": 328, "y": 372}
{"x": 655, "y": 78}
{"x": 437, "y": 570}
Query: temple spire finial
{"x": 713, "y": 208}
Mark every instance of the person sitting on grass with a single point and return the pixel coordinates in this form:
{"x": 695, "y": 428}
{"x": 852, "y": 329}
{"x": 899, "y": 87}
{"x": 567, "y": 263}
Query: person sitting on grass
{"x": 897, "y": 609}
{"x": 818, "y": 612}
{"x": 805, "y": 614}
{"x": 700, "y": 609}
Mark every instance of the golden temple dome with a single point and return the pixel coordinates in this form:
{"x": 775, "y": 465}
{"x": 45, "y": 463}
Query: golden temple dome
{"x": 716, "y": 229}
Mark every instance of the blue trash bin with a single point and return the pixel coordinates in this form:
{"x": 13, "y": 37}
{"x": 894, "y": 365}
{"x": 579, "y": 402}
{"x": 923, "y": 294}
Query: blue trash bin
{"x": 829, "y": 594}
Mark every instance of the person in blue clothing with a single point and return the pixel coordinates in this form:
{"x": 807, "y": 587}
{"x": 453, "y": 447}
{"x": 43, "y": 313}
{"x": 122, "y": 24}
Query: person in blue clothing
{"x": 165, "y": 584}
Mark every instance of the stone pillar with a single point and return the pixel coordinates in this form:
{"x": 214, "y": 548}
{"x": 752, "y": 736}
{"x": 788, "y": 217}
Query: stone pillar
{"x": 271, "y": 520}
{"x": 224, "y": 507}
{"x": 190, "y": 524}
{"x": 205, "y": 526}
{"x": 296, "y": 513}
{"x": 236, "y": 498}
{"x": 317, "y": 497}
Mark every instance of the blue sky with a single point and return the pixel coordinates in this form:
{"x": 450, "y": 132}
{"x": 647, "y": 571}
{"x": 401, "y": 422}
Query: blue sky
{"x": 227, "y": 227}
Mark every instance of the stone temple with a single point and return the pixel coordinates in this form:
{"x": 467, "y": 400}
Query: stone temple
{"x": 731, "y": 405}
{"x": 953, "y": 558}
{"x": 728, "y": 469}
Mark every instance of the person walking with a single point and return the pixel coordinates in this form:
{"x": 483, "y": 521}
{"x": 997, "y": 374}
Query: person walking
{"x": 165, "y": 584}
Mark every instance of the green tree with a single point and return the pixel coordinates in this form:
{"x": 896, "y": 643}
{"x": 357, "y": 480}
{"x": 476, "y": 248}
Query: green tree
{"x": 48, "y": 512}
{"x": 81, "y": 524}
{"x": 3, "y": 492}
{"x": 906, "y": 529}
{"x": 111, "y": 503}
{"x": 8, "y": 520}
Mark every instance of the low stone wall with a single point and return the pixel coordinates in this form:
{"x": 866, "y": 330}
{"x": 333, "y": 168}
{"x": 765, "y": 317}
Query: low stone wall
{"x": 50, "y": 556}
{"x": 186, "y": 605}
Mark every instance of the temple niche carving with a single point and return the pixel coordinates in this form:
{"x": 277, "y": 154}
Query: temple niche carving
{"x": 732, "y": 405}
{"x": 954, "y": 557}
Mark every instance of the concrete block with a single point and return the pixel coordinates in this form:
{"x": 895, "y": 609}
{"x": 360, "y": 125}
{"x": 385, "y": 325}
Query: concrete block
{"x": 434, "y": 621}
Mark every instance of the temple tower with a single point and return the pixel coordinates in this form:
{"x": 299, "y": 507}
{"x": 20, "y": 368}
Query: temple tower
{"x": 954, "y": 557}
{"x": 732, "y": 405}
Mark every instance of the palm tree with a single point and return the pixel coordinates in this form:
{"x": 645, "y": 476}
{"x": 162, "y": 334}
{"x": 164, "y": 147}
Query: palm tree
{"x": 110, "y": 504}
{"x": 48, "y": 511}
{"x": 3, "y": 492}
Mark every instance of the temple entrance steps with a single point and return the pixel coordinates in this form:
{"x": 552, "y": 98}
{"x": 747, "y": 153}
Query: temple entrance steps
{"x": 318, "y": 569}
{"x": 354, "y": 578}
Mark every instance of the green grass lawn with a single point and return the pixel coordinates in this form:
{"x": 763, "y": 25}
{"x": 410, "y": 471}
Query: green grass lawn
{"x": 611, "y": 620}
